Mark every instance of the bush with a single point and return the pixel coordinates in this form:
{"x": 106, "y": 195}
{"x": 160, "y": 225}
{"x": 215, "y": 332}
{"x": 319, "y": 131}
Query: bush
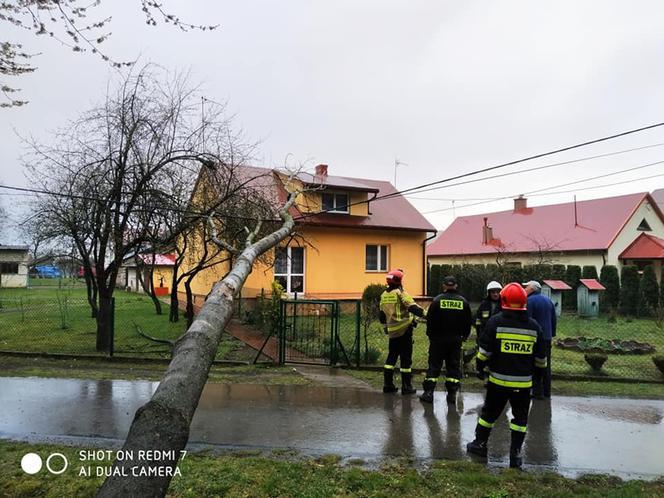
{"x": 629, "y": 290}
{"x": 572, "y": 276}
{"x": 558, "y": 272}
{"x": 372, "y": 355}
{"x": 371, "y": 301}
{"x": 659, "y": 362}
{"x": 648, "y": 291}
{"x": 435, "y": 279}
{"x": 595, "y": 360}
{"x": 609, "y": 279}
{"x": 589, "y": 271}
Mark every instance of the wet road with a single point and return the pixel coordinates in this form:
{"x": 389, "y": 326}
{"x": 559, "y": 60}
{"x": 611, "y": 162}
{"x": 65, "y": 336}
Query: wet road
{"x": 571, "y": 435}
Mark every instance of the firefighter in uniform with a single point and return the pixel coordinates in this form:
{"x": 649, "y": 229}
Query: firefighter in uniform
{"x": 396, "y": 314}
{"x": 511, "y": 346}
{"x": 489, "y": 306}
{"x": 449, "y": 319}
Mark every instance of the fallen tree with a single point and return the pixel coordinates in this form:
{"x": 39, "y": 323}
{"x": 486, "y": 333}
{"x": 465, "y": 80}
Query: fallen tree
{"x": 163, "y": 422}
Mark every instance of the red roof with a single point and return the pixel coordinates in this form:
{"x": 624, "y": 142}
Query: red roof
{"x": 551, "y": 228}
{"x": 658, "y": 195}
{"x": 645, "y": 246}
{"x": 557, "y": 284}
{"x": 592, "y": 284}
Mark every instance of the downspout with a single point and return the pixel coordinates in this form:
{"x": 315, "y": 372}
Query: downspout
{"x": 368, "y": 202}
{"x": 426, "y": 263}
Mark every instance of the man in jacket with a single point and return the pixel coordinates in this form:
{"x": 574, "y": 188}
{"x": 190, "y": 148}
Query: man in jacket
{"x": 396, "y": 314}
{"x": 489, "y": 306}
{"x": 542, "y": 309}
{"x": 511, "y": 347}
{"x": 449, "y": 319}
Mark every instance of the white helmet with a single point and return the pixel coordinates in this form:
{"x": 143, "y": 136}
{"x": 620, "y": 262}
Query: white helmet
{"x": 493, "y": 285}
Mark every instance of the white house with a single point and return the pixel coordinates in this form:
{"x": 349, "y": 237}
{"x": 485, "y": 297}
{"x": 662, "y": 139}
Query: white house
{"x": 14, "y": 262}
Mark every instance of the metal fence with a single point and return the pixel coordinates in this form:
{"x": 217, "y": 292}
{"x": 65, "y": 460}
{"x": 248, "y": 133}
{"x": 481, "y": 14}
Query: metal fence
{"x": 61, "y": 322}
{"x": 610, "y": 346}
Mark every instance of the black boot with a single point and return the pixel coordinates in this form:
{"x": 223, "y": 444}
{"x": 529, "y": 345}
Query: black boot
{"x": 429, "y": 387}
{"x": 452, "y": 389}
{"x": 388, "y": 381}
{"x": 515, "y": 449}
{"x": 479, "y": 445}
{"x": 406, "y": 383}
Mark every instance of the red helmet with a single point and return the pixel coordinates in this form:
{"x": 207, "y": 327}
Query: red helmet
{"x": 394, "y": 277}
{"x": 513, "y": 297}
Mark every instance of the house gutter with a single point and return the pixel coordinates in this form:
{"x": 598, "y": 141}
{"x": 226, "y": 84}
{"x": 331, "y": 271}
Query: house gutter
{"x": 426, "y": 263}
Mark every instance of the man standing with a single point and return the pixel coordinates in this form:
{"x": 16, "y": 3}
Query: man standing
{"x": 449, "y": 319}
{"x": 396, "y": 314}
{"x": 511, "y": 347}
{"x": 489, "y": 306}
{"x": 543, "y": 311}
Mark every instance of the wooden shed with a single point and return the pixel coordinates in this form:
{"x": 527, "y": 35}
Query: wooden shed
{"x": 587, "y": 297}
{"x": 554, "y": 290}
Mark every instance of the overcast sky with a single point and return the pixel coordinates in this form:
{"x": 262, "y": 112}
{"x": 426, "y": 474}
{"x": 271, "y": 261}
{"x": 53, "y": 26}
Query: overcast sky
{"x": 445, "y": 87}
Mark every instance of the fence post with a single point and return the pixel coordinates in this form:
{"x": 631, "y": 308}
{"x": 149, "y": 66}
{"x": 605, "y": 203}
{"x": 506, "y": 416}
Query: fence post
{"x": 358, "y": 311}
{"x": 282, "y": 332}
{"x": 112, "y": 328}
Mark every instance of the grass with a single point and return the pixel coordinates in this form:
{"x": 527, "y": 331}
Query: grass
{"x": 58, "y": 320}
{"x": 249, "y": 474}
{"x": 102, "y": 369}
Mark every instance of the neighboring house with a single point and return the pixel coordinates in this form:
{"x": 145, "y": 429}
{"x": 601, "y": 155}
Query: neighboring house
{"x": 354, "y": 243}
{"x": 658, "y": 196}
{"x": 627, "y": 229}
{"x": 14, "y": 262}
{"x": 162, "y": 275}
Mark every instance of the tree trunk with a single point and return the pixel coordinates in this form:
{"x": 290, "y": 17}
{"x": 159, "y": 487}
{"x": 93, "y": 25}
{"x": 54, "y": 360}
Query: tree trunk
{"x": 163, "y": 422}
{"x": 174, "y": 313}
{"x": 146, "y": 280}
{"x": 91, "y": 289}
{"x": 189, "y": 310}
{"x": 104, "y": 320}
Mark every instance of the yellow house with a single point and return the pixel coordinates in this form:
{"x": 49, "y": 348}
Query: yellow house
{"x": 351, "y": 232}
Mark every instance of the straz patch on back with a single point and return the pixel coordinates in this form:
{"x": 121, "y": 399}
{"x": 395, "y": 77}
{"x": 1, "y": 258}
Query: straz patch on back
{"x": 516, "y": 347}
{"x": 449, "y": 304}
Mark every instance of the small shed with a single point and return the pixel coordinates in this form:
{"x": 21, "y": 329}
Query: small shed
{"x": 554, "y": 290}
{"x": 587, "y": 297}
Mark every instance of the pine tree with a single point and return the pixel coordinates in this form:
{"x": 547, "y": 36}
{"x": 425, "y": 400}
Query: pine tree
{"x": 609, "y": 279}
{"x": 629, "y": 290}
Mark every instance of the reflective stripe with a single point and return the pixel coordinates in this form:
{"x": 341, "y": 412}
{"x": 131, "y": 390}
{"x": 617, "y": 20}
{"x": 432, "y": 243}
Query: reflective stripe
{"x": 518, "y": 428}
{"x": 394, "y": 326}
{"x": 485, "y": 352}
{"x": 515, "y": 378}
{"x": 510, "y": 383}
{"x": 540, "y": 362}
{"x": 388, "y": 367}
{"x": 516, "y": 337}
{"x": 478, "y": 322}
{"x": 482, "y": 357}
{"x": 514, "y": 330}
{"x": 451, "y": 379}
{"x": 432, "y": 379}
{"x": 405, "y": 370}
{"x": 484, "y": 423}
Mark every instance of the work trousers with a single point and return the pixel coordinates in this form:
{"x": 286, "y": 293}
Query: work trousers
{"x": 542, "y": 376}
{"x": 401, "y": 348}
{"x": 448, "y": 352}
{"x": 495, "y": 401}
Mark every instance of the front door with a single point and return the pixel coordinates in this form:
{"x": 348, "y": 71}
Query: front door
{"x": 289, "y": 269}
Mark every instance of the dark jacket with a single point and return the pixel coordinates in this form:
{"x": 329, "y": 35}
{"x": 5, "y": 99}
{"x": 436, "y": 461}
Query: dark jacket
{"x": 542, "y": 309}
{"x": 510, "y": 342}
{"x": 449, "y": 318}
{"x": 487, "y": 308}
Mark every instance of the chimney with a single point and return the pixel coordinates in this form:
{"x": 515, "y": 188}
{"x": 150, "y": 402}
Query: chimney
{"x": 520, "y": 203}
{"x": 487, "y": 232}
{"x": 321, "y": 170}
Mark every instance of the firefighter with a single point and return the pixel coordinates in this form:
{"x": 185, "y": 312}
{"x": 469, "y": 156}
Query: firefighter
{"x": 511, "y": 346}
{"x": 489, "y": 306}
{"x": 396, "y": 314}
{"x": 449, "y": 319}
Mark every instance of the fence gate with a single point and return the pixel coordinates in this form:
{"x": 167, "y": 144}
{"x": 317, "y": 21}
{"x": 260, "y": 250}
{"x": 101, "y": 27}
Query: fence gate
{"x": 309, "y": 333}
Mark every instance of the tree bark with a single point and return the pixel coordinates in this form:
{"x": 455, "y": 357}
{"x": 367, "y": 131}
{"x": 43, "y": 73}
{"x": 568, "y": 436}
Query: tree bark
{"x": 104, "y": 324}
{"x": 174, "y": 312}
{"x": 163, "y": 423}
{"x": 189, "y": 309}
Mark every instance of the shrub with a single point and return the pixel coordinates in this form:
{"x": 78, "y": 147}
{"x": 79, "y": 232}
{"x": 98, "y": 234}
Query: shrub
{"x": 558, "y": 272}
{"x": 609, "y": 279}
{"x": 595, "y": 360}
{"x": 589, "y": 271}
{"x": 572, "y": 276}
{"x": 659, "y": 362}
{"x": 629, "y": 290}
{"x": 371, "y": 301}
{"x": 435, "y": 279}
{"x": 372, "y": 355}
{"x": 648, "y": 290}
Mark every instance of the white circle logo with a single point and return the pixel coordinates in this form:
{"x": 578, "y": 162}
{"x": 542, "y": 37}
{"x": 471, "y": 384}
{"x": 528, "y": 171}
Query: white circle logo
{"x": 31, "y": 463}
{"x": 65, "y": 463}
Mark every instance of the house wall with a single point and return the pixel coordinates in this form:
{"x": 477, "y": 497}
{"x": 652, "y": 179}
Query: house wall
{"x": 19, "y": 279}
{"x": 629, "y": 231}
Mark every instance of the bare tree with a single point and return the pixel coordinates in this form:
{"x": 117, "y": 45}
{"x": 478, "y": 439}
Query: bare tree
{"x": 163, "y": 423}
{"x": 104, "y": 179}
{"x": 71, "y": 23}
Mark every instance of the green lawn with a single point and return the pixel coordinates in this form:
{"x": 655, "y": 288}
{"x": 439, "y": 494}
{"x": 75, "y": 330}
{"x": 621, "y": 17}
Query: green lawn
{"x": 53, "y": 320}
{"x": 288, "y": 474}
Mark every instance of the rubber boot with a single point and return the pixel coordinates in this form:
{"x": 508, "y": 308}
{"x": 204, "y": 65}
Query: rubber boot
{"x": 429, "y": 387}
{"x": 515, "y": 449}
{"x": 478, "y": 446}
{"x": 452, "y": 389}
{"x": 406, "y": 383}
{"x": 388, "y": 381}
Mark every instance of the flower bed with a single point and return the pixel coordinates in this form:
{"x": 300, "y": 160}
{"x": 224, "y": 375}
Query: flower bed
{"x": 599, "y": 345}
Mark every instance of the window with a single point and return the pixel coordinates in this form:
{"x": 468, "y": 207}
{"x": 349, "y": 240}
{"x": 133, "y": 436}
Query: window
{"x": 9, "y": 268}
{"x": 644, "y": 227}
{"x": 335, "y": 203}
{"x": 289, "y": 268}
{"x": 376, "y": 258}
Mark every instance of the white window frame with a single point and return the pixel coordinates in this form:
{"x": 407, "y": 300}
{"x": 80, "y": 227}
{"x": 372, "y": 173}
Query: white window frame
{"x": 289, "y": 272}
{"x": 346, "y": 209}
{"x": 379, "y": 260}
